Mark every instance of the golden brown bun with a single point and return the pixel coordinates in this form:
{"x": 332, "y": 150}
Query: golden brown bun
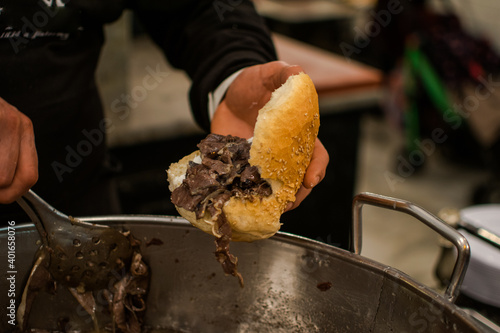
{"x": 283, "y": 142}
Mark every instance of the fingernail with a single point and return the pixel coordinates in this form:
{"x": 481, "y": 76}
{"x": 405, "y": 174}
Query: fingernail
{"x": 315, "y": 182}
{"x": 289, "y": 206}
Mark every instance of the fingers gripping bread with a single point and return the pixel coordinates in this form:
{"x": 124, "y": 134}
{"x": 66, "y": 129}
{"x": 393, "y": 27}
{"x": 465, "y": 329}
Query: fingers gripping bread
{"x": 281, "y": 150}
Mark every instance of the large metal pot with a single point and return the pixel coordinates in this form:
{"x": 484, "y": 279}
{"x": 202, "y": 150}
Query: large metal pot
{"x": 292, "y": 284}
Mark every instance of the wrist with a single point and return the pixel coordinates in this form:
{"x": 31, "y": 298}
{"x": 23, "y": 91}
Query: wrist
{"x": 216, "y": 96}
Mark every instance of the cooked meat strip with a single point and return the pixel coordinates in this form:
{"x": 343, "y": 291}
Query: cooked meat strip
{"x": 128, "y": 302}
{"x": 250, "y": 175}
{"x": 228, "y": 261}
{"x": 38, "y": 280}
{"x": 201, "y": 179}
{"x": 217, "y": 166}
{"x": 224, "y": 172}
{"x": 87, "y": 301}
{"x": 211, "y": 145}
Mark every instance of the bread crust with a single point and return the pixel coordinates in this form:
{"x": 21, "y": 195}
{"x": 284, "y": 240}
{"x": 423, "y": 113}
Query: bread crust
{"x": 282, "y": 147}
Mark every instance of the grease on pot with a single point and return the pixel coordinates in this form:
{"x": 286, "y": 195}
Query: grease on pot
{"x": 154, "y": 241}
{"x": 324, "y": 286}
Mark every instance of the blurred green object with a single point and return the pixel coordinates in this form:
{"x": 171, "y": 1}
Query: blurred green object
{"x": 417, "y": 67}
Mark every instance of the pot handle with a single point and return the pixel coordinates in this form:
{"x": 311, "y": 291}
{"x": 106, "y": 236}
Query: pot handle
{"x": 457, "y": 239}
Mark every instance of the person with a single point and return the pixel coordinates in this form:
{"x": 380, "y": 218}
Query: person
{"x": 52, "y": 126}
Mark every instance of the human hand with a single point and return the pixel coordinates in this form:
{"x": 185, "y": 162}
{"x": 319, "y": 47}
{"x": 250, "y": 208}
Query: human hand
{"x": 237, "y": 114}
{"x": 18, "y": 158}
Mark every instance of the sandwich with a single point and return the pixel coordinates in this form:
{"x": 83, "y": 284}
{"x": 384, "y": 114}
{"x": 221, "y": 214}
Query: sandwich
{"x": 237, "y": 189}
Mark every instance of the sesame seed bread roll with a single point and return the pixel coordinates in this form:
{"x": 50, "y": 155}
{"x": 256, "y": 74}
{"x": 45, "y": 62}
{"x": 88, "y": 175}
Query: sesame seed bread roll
{"x": 281, "y": 150}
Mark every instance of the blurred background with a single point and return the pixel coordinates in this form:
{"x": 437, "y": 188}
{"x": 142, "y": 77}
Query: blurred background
{"x": 408, "y": 93}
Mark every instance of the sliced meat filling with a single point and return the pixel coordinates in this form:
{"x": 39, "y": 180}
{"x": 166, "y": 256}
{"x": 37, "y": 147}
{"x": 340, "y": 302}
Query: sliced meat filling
{"x": 224, "y": 172}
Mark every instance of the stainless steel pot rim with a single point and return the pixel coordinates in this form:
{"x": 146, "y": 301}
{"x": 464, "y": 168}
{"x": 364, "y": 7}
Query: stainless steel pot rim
{"x": 319, "y": 249}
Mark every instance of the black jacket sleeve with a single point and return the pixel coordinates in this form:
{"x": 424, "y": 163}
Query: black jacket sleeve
{"x": 209, "y": 39}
